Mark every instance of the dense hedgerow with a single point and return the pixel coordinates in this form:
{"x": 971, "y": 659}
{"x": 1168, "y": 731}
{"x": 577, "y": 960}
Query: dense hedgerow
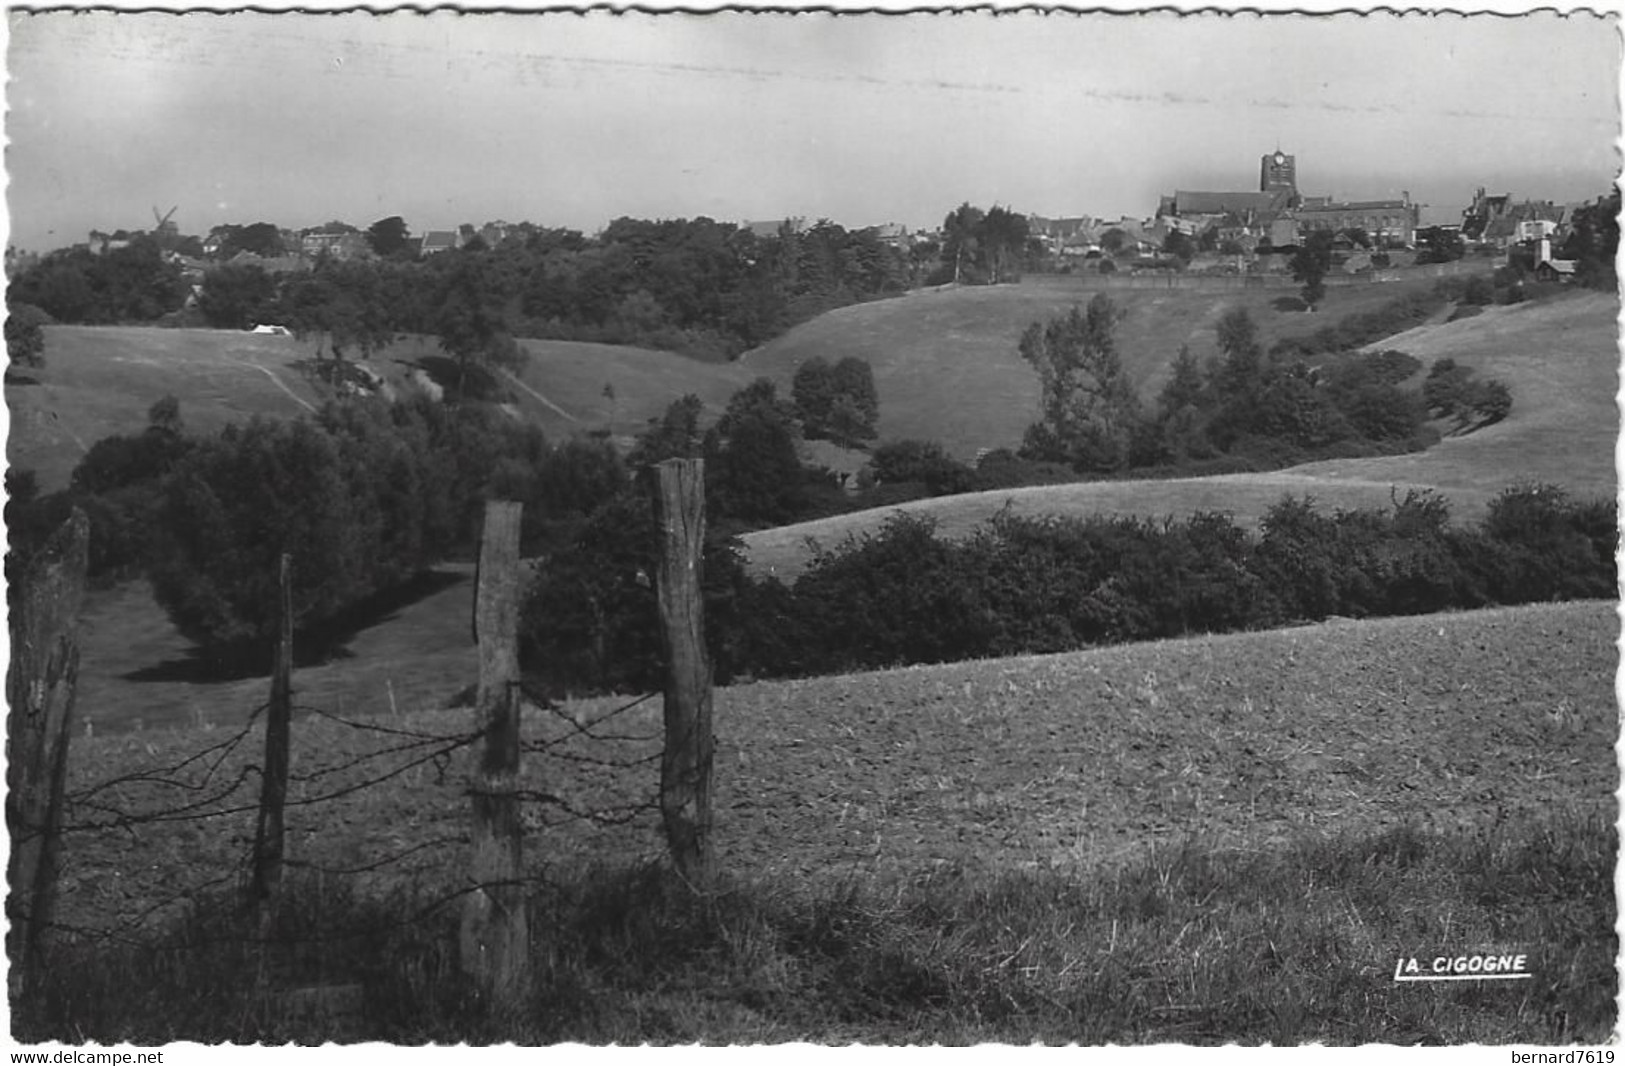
{"x": 1025, "y": 584}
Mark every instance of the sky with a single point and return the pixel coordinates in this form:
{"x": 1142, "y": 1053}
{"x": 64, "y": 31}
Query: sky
{"x": 574, "y": 120}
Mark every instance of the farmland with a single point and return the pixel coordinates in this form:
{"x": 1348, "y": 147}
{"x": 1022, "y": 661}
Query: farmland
{"x": 1090, "y": 768}
{"x": 98, "y": 381}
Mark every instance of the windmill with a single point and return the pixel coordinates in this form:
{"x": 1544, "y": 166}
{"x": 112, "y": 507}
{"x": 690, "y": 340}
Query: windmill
{"x": 166, "y": 227}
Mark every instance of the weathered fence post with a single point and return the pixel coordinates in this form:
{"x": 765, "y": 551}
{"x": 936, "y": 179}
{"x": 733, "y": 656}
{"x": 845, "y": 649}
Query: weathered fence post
{"x": 495, "y": 943}
{"x": 39, "y": 726}
{"x": 685, "y": 766}
{"x": 274, "y": 780}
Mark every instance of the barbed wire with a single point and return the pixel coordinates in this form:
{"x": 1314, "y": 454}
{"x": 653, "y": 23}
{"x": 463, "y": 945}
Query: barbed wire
{"x": 208, "y": 787}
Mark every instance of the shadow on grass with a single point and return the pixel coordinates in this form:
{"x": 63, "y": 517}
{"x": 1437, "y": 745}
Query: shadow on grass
{"x": 479, "y": 385}
{"x": 312, "y": 647}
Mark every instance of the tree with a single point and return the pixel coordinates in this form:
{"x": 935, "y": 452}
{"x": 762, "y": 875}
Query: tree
{"x": 1439, "y": 244}
{"x": 1184, "y": 386}
{"x": 261, "y": 238}
{"x": 1089, "y": 411}
{"x": 1179, "y": 245}
{"x": 825, "y": 395}
{"x": 1241, "y": 368}
{"x": 959, "y": 237}
{"x": 1002, "y": 236}
{"x": 899, "y": 461}
{"x": 753, "y": 472}
{"x": 675, "y": 435}
{"x": 1310, "y": 265}
{"x": 25, "y": 336}
{"x": 857, "y": 403}
{"x": 344, "y": 301}
{"x": 1113, "y": 241}
{"x": 1593, "y": 241}
{"x": 813, "y": 390}
{"x": 471, "y": 324}
{"x": 387, "y": 237}
{"x": 236, "y": 295}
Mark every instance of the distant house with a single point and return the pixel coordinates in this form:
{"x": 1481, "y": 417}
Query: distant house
{"x": 770, "y": 227}
{"x": 102, "y": 243}
{"x": 1503, "y": 230}
{"x": 892, "y": 234}
{"x": 281, "y": 264}
{"x": 1389, "y": 222}
{"x": 336, "y": 244}
{"x": 1555, "y": 270}
{"x": 494, "y": 233}
{"x": 1481, "y": 212}
{"x": 440, "y": 240}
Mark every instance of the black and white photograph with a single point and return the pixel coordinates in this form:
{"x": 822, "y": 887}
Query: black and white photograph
{"x": 940, "y": 527}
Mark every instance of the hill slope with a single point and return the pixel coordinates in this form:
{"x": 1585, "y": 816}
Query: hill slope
{"x": 1067, "y": 760}
{"x": 1560, "y": 358}
{"x": 98, "y": 381}
{"x": 946, "y": 365}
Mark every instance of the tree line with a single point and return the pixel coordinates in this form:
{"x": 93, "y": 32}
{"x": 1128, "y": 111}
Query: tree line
{"x": 694, "y": 286}
{"x": 368, "y": 494}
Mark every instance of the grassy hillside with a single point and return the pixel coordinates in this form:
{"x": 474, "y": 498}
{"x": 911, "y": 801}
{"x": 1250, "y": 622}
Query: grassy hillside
{"x": 946, "y": 365}
{"x": 98, "y": 381}
{"x": 562, "y": 385}
{"x": 1078, "y": 759}
{"x": 1559, "y": 357}
{"x": 1217, "y": 838}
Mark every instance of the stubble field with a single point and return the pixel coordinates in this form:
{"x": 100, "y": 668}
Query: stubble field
{"x": 1067, "y": 762}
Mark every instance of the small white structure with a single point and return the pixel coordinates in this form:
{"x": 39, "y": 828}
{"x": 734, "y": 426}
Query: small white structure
{"x": 279, "y": 331}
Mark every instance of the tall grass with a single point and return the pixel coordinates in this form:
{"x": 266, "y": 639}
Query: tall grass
{"x": 1191, "y": 945}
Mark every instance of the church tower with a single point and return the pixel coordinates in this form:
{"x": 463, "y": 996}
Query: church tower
{"x": 1276, "y": 170}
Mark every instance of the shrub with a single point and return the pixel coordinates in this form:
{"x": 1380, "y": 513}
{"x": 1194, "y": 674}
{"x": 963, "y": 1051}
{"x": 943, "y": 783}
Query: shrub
{"x": 893, "y": 597}
{"x": 1555, "y": 550}
{"x": 25, "y": 335}
{"x": 1298, "y": 560}
{"x": 917, "y": 460}
{"x": 590, "y": 621}
{"x": 1479, "y": 291}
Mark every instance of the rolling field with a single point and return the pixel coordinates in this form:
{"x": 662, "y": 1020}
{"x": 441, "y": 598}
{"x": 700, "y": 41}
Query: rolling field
{"x": 1560, "y": 359}
{"x": 561, "y": 388}
{"x": 1073, "y": 763}
{"x": 946, "y": 366}
{"x": 101, "y": 380}
{"x": 98, "y": 381}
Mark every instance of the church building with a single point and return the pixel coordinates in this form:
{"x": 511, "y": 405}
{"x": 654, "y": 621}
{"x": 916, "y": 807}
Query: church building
{"x": 1279, "y": 212}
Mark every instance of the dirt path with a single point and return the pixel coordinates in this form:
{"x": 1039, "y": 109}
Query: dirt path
{"x": 268, "y": 372}
{"x": 511, "y": 376}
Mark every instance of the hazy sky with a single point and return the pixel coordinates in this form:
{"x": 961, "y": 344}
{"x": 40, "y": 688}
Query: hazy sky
{"x": 574, "y": 120}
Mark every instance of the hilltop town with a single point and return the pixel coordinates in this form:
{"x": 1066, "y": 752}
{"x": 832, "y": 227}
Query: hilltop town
{"x": 1253, "y": 231}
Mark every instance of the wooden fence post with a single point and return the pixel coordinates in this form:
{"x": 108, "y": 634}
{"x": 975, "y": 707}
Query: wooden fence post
{"x": 274, "y": 780}
{"x": 39, "y": 726}
{"x": 685, "y": 766}
{"x": 494, "y": 942}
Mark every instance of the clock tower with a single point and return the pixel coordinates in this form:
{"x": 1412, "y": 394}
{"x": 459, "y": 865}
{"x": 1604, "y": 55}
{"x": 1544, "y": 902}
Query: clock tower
{"x": 1277, "y": 170}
